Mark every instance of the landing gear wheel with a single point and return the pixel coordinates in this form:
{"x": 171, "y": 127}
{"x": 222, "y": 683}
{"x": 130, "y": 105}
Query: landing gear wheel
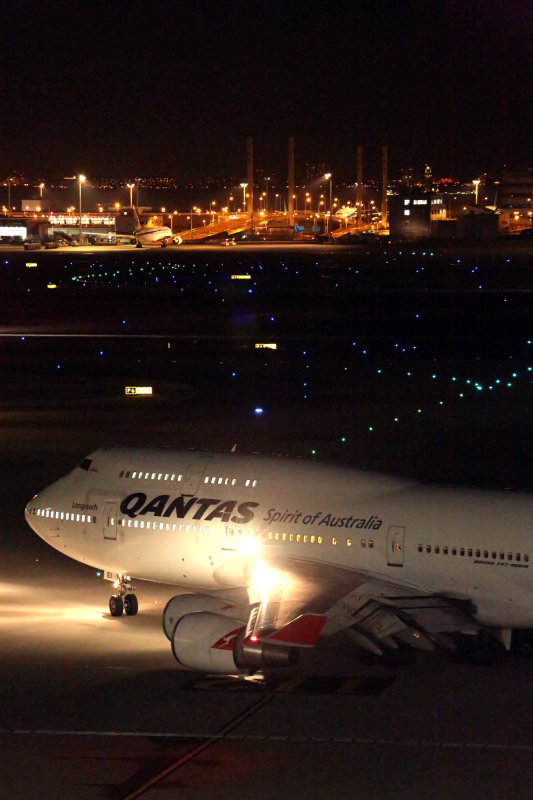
{"x": 131, "y": 604}
{"x": 116, "y": 606}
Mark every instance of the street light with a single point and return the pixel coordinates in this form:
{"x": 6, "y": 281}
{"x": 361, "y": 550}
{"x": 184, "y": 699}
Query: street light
{"x": 81, "y": 179}
{"x": 243, "y": 187}
{"x": 266, "y": 193}
{"x": 41, "y": 187}
{"x": 130, "y": 187}
{"x": 476, "y": 183}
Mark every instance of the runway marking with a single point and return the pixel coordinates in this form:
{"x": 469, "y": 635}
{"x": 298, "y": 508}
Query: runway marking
{"x": 226, "y": 735}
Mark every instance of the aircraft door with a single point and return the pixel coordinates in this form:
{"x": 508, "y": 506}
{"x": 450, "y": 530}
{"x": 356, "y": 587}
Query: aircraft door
{"x": 196, "y": 472}
{"x": 109, "y": 520}
{"x": 395, "y": 545}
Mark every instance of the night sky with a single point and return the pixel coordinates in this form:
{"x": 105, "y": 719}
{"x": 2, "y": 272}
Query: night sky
{"x": 173, "y": 88}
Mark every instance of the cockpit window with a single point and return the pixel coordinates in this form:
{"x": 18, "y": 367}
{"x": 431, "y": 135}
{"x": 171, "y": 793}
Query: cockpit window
{"x": 85, "y": 464}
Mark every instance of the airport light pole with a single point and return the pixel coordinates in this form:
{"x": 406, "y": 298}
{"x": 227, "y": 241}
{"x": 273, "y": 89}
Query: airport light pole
{"x": 476, "y": 183}
{"x": 329, "y": 177}
{"x": 130, "y": 187}
{"x": 243, "y": 187}
{"x": 41, "y": 187}
{"x": 81, "y": 179}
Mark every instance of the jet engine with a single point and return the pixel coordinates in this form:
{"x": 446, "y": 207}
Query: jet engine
{"x": 212, "y": 642}
{"x": 183, "y": 604}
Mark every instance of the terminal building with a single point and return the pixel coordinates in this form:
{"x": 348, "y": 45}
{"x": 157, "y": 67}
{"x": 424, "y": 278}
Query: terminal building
{"x": 516, "y": 201}
{"x": 415, "y": 215}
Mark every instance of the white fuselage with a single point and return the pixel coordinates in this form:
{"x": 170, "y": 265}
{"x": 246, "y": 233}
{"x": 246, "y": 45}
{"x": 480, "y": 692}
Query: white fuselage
{"x": 202, "y": 520}
{"x": 147, "y": 235}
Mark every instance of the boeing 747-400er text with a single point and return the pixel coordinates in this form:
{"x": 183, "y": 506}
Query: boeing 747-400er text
{"x": 280, "y": 551}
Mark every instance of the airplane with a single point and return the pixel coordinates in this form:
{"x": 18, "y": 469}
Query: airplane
{"x": 277, "y": 552}
{"x": 146, "y": 234}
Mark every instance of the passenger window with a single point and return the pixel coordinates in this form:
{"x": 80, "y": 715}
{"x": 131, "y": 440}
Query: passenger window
{"x": 437, "y": 549}
{"x": 363, "y": 542}
{"x": 454, "y": 551}
{"x": 348, "y": 542}
{"x": 371, "y": 543}
{"x": 470, "y": 552}
{"x": 333, "y": 540}
{"x": 319, "y": 539}
{"x": 494, "y": 554}
{"x": 428, "y": 548}
{"x": 509, "y": 556}
{"x": 478, "y": 553}
{"x": 420, "y": 548}
{"x": 502, "y": 556}
{"x": 518, "y": 556}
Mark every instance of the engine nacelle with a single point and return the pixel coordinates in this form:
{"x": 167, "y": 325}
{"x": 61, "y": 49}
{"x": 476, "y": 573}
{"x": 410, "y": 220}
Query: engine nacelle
{"x": 206, "y": 641}
{"x": 214, "y": 643}
{"x": 183, "y": 604}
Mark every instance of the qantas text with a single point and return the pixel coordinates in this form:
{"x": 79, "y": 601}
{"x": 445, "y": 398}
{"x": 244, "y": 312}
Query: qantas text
{"x": 206, "y": 508}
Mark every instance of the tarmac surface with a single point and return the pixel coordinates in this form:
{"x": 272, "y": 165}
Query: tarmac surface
{"x": 94, "y": 707}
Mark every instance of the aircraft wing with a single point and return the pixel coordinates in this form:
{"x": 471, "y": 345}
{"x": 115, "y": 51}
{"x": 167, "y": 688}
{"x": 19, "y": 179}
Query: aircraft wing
{"x": 374, "y": 613}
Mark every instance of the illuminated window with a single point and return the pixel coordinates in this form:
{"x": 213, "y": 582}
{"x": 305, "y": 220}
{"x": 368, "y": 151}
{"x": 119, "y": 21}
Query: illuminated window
{"x": 312, "y": 539}
{"x": 213, "y": 480}
{"x": 298, "y": 537}
{"x": 247, "y": 482}
{"x": 406, "y": 212}
{"x": 270, "y": 534}
{"x": 277, "y": 537}
{"x": 333, "y": 540}
{"x": 291, "y": 537}
{"x": 445, "y": 550}
{"x": 371, "y": 543}
{"x": 234, "y": 481}
{"x": 142, "y": 523}
{"x": 363, "y": 542}
{"x": 254, "y": 483}
{"x": 220, "y": 481}
{"x": 284, "y": 537}
{"x": 166, "y": 476}
{"x": 348, "y": 542}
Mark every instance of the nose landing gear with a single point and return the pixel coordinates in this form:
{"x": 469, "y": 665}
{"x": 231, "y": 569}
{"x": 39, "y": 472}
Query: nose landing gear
{"x": 123, "y": 599}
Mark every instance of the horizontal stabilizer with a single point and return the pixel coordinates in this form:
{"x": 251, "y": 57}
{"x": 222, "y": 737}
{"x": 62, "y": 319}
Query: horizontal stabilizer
{"x": 300, "y": 632}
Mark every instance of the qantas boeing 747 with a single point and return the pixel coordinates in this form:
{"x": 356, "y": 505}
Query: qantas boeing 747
{"x": 280, "y": 551}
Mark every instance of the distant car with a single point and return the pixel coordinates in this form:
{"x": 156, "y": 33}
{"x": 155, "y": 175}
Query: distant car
{"x": 229, "y": 242}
